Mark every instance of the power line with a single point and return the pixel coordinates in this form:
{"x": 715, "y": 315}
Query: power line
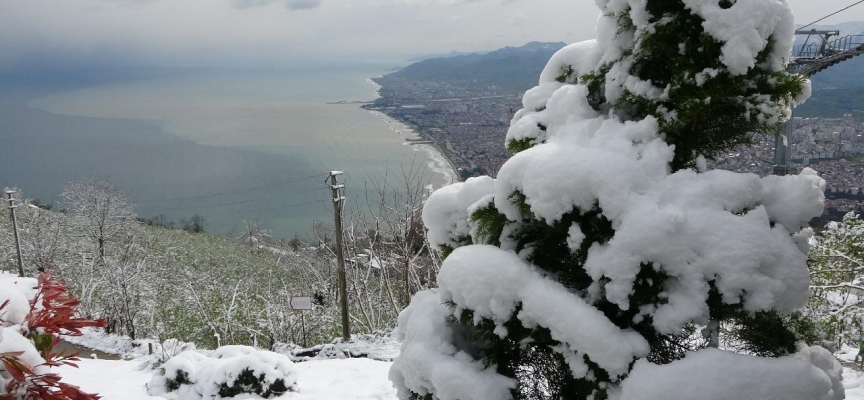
{"x": 230, "y": 191}
{"x": 832, "y": 14}
{"x": 239, "y": 202}
{"x": 264, "y": 209}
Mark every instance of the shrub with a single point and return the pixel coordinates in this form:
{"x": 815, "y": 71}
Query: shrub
{"x": 33, "y": 316}
{"x": 227, "y": 372}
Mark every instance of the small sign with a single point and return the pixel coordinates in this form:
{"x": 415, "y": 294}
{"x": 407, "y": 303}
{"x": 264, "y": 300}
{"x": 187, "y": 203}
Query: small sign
{"x": 301, "y": 303}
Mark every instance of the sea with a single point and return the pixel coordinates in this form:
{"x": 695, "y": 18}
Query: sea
{"x": 236, "y": 145}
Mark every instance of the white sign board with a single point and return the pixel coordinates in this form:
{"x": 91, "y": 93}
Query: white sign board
{"x": 301, "y": 303}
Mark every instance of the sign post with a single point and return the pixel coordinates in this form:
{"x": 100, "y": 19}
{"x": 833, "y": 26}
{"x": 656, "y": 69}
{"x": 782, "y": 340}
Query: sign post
{"x": 301, "y": 304}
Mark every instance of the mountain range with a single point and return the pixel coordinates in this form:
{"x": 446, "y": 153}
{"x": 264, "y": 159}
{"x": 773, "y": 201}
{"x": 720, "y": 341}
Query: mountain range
{"x": 836, "y": 90}
{"x": 511, "y": 69}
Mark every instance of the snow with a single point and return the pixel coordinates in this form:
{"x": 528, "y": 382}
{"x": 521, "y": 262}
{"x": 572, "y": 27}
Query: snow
{"x": 430, "y": 363}
{"x": 364, "y": 379}
{"x": 381, "y": 346}
{"x": 206, "y": 374}
{"x": 582, "y": 57}
{"x": 745, "y": 28}
{"x": 124, "y": 346}
{"x": 493, "y": 282}
{"x": 18, "y": 304}
{"x": 743, "y": 235}
{"x": 575, "y": 237}
{"x": 113, "y": 380}
{"x": 18, "y": 292}
{"x": 12, "y": 341}
{"x": 348, "y": 379}
{"x": 445, "y": 213}
{"x": 720, "y": 375}
{"x": 710, "y": 227}
{"x": 792, "y": 201}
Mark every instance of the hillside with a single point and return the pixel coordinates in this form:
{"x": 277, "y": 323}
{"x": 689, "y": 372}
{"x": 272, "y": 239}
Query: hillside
{"x": 150, "y": 281}
{"x": 837, "y": 90}
{"x": 510, "y": 69}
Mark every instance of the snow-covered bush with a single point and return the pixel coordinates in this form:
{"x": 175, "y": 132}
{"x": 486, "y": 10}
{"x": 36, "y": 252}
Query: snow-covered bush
{"x": 227, "y": 372}
{"x": 604, "y": 242}
{"x": 34, "y": 313}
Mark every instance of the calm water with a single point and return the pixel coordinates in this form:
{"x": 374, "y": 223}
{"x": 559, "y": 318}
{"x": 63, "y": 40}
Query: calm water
{"x": 229, "y": 145}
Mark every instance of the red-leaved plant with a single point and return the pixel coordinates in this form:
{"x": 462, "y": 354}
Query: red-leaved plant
{"x": 52, "y": 314}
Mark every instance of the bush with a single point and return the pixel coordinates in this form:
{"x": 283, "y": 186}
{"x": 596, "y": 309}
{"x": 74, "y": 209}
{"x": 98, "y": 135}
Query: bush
{"x": 227, "y": 372}
{"x": 34, "y": 313}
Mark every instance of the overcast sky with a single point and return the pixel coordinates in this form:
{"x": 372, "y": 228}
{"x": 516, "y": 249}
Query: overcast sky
{"x": 275, "y": 32}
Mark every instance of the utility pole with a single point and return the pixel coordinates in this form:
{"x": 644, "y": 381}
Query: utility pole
{"x": 338, "y": 199}
{"x": 11, "y": 201}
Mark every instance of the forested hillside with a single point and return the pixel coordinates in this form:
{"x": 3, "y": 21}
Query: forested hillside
{"x": 149, "y": 281}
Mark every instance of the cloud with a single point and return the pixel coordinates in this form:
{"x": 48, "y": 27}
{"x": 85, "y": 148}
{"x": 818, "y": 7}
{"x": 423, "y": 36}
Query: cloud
{"x": 289, "y": 4}
{"x": 250, "y": 3}
{"x": 302, "y": 4}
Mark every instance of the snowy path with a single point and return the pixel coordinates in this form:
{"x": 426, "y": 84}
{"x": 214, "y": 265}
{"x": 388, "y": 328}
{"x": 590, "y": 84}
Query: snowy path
{"x": 351, "y": 379}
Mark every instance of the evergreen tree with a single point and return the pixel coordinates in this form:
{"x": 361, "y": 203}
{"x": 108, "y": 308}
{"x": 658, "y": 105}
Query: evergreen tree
{"x": 598, "y": 245}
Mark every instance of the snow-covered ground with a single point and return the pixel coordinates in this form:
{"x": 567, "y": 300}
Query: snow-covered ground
{"x": 345, "y": 379}
{"x": 853, "y": 381}
{"x": 338, "y": 378}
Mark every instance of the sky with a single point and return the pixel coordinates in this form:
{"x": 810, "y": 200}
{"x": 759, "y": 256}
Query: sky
{"x": 61, "y": 33}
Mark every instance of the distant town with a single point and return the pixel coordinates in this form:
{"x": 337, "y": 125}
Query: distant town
{"x": 468, "y": 124}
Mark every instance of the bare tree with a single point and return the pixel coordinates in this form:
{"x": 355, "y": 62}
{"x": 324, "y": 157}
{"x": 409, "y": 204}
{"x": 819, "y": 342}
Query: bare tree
{"x": 195, "y": 224}
{"x": 255, "y": 236}
{"x": 102, "y": 212}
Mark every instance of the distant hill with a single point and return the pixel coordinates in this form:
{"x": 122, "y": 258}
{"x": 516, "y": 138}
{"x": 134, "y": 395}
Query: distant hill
{"x": 448, "y": 55}
{"x": 836, "y": 91}
{"x": 512, "y": 69}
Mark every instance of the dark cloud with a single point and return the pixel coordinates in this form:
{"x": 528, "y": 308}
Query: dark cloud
{"x": 302, "y": 4}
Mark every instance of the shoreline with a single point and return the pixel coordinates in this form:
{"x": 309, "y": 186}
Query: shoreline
{"x": 435, "y": 159}
{"x": 376, "y": 87}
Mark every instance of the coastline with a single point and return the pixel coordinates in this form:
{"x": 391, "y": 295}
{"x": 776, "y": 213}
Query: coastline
{"x": 435, "y": 159}
{"x": 376, "y": 86}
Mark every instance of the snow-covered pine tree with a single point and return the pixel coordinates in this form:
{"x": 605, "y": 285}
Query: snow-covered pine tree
{"x": 581, "y": 270}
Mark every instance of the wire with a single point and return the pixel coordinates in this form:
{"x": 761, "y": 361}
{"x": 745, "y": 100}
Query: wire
{"x": 832, "y": 14}
{"x": 238, "y": 202}
{"x": 230, "y": 191}
{"x": 264, "y": 209}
